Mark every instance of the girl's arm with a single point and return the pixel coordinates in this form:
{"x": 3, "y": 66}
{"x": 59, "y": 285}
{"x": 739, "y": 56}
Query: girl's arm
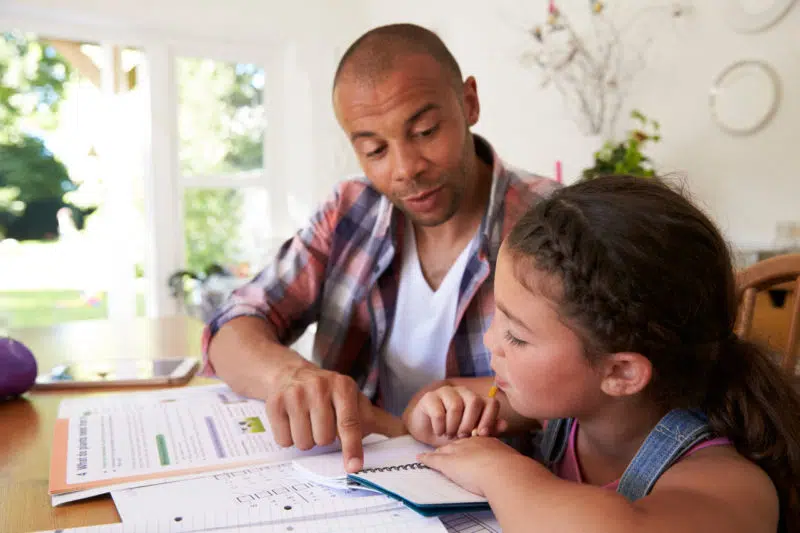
{"x": 713, "y": 490}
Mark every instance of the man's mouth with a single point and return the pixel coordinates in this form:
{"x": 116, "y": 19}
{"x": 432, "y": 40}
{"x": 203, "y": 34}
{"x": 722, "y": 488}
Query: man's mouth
{"x": 423, "y": 195}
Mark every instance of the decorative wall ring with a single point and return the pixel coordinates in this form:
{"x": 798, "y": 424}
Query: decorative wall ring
{"x": 745, "y": 96}
{"x": 750, "y": 16}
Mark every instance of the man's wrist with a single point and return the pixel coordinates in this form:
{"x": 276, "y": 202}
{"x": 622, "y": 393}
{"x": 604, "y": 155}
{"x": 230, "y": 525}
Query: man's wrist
{"x": 387, "y": 424}
{"x": 270, "y": 376}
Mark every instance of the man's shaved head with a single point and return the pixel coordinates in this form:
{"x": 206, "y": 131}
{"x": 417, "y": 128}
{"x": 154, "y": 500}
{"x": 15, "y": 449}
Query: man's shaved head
{"x": 399, "y": 97}
{"x": 373, "y": 55}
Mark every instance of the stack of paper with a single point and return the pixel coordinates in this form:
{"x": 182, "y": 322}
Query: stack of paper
{"x": 203, "y": 458}
{"x": 135, "y": 439}
{"x": 397, "y": 521}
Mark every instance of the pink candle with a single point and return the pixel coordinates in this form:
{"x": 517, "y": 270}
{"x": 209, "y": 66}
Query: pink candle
{"x": 558, "y": 172}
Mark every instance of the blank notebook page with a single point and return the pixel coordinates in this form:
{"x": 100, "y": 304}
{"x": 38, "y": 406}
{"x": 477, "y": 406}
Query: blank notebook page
{"x": 396, "y": 451}
{"x": 419, "y": 485}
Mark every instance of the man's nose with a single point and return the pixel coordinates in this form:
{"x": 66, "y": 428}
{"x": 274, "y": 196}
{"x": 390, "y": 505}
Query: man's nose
{"x": 407, "y": 162}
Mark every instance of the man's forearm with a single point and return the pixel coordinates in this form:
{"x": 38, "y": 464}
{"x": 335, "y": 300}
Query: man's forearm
{"x": 247, "y": 356}
{"x": 388, "y": 424}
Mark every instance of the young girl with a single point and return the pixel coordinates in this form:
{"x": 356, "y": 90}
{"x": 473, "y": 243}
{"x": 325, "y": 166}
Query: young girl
{"x": 615, "y": 306}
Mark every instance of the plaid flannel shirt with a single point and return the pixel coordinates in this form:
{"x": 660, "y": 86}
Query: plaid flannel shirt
{"x": 342, "y": 272}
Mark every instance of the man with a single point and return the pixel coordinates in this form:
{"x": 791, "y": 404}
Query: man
{"x": 395, "y": 268}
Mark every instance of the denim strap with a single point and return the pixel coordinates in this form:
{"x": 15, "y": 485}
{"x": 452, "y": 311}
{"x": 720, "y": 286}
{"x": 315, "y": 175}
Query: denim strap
{"x": 554, "y": 440}
{"x": 676, "y": 433}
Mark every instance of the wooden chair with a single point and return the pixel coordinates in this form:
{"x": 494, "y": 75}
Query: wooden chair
{"x": 764, "y": 275}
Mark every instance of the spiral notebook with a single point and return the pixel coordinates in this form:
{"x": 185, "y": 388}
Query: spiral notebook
{"x": 391, "y": 467}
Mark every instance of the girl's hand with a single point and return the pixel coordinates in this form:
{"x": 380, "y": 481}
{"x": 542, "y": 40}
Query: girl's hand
{"x": 447, "y": 413}
{"x": 472, "y": 462}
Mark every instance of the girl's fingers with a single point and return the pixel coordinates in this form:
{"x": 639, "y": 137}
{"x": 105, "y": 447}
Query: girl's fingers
{"x": 454, "y": 405}
{"x": 473, "y": 411}
{"x": 434, "y": 409}
{"x": 488, "y": 420}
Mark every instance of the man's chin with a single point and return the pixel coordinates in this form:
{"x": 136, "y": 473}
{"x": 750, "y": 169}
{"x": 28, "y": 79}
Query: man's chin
{"x": 428, "y": 220}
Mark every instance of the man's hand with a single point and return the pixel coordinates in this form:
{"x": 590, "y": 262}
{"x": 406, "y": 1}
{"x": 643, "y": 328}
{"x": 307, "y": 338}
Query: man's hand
{"x": 448, "y": 412}
{"x": 309, "y": 406}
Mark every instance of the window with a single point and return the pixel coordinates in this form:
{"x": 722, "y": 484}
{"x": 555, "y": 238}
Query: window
{"x": 228, "y": 227}
{"x": 221, "y": 117}
{"x": 221, "y": 130}
{"x": 71, "y": 111}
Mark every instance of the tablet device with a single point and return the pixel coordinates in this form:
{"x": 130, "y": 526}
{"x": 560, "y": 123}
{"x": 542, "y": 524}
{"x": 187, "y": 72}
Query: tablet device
{"x": 118, "y": 373}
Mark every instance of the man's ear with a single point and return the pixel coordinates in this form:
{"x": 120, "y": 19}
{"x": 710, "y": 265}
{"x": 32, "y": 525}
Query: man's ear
{"x": 472, "y": 106}
{"x": 625, "y": 374}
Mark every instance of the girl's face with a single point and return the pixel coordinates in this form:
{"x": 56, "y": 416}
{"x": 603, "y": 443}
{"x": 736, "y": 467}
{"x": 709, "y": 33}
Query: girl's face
{"x": 539, "y": 362}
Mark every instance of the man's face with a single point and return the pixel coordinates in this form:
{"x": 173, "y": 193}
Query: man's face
{"x": 410, "y": 131}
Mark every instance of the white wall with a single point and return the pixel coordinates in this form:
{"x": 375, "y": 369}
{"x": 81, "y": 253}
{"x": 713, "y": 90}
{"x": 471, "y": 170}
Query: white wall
{"x": 747, "y": 184}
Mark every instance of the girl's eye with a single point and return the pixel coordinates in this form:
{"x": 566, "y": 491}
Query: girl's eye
{"x": 513, "y": 340}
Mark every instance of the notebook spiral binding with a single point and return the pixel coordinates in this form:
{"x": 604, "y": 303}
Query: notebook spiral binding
{"x": 407, "y": 466}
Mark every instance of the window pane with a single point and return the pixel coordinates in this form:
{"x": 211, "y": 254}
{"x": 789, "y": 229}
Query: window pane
{"x": 221, "y": 116}
{"x": 229, "y": 228}
{"x": 68, "y": 145}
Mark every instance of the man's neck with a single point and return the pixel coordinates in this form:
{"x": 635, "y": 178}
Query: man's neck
{"x": 438, "y": 247}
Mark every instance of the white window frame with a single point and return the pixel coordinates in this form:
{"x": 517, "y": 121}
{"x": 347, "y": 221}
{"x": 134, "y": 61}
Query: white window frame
{"x": 164, "y": 187}
{"x": 235, "y": 180}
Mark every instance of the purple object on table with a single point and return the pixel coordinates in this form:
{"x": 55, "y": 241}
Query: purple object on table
{"x": 17, "y": 368}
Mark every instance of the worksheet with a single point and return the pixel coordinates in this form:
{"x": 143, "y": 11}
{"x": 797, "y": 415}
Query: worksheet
{"x": 394, "y": 521}
{"x": 481, "y": 522}
{"x": 276, "y": 486}
{"x": 105, "y": 440}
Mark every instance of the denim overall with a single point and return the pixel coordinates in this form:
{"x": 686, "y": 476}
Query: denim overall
{"x": 675, "y": 434}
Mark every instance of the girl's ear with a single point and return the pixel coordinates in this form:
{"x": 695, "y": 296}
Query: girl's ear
{"x": 625, "y": 374}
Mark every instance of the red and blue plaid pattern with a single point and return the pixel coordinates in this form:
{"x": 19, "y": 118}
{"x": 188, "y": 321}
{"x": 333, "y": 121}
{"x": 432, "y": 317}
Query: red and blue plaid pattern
{"x": 342, "y": 272}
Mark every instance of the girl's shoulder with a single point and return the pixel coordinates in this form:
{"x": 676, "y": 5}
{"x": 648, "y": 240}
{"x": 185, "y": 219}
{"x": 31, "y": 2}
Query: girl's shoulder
{"x": 718, "y": 480}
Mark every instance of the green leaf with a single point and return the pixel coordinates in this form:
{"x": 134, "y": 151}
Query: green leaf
{"x": 638, "y": 116}
{"x": 29, "y": 166}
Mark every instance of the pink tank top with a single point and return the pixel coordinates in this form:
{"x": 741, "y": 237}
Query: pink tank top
{"x": 569, "y": 468}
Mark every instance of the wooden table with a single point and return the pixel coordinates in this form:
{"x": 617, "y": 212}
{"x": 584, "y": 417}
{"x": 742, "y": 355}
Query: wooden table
{"x": 27, "y": 423}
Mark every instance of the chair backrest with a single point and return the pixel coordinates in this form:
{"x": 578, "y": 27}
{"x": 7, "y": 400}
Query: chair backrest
{"x": 766, "y": 274}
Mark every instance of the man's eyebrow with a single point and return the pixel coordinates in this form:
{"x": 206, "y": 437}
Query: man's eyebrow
{"x": 417, "y": 114}
{"x": 421, "y": 111}
{"x": 511, "y": 316}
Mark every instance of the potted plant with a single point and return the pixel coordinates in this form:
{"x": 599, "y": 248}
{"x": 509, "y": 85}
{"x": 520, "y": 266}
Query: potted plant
{"x": 626, "y": 157}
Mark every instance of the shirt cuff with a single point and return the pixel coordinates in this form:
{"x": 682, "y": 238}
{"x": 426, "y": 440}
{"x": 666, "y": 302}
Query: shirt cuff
{"x": 210, "y": 329}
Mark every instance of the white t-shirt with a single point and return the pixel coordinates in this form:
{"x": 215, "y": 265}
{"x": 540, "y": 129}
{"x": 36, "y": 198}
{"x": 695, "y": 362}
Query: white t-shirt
{"x": 415, "y": 352}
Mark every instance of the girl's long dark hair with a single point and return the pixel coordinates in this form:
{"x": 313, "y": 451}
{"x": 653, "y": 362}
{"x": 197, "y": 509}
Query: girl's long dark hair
{"x": 644, "y": 270}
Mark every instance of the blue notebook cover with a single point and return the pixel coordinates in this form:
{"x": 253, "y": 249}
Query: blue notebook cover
{"x": 421, "y": 489}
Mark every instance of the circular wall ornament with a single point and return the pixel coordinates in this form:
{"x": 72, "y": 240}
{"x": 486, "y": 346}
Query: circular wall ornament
{"x": 750, "y": 16}
{"x": 745, "y": 96}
